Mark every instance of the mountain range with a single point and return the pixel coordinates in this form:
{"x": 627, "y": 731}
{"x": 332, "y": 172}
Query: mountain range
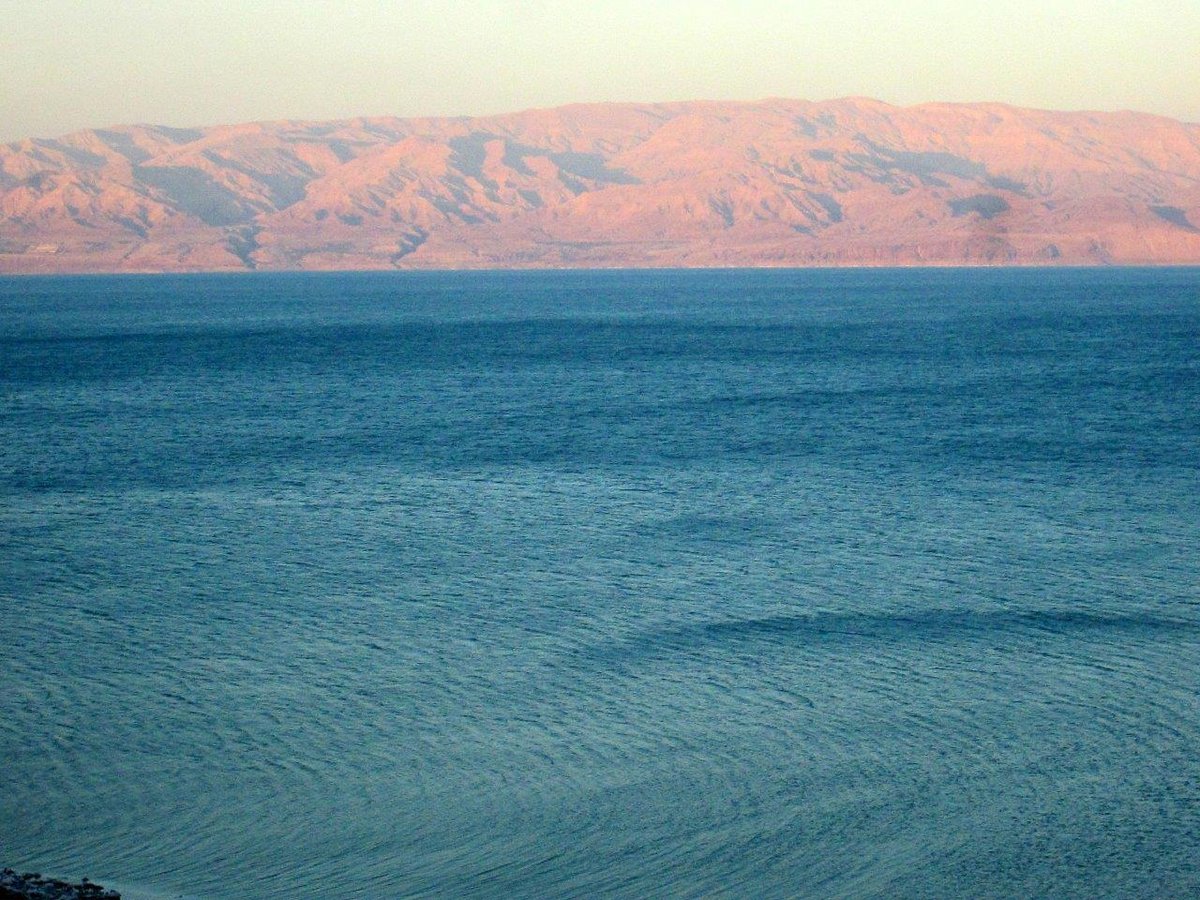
{"x": 771, "y": 183}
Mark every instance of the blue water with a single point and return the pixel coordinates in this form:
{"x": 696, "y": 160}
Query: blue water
{"x": 762, "y": 584}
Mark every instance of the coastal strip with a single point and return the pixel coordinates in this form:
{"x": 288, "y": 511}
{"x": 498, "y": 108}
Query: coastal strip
{"x": 33, "y": 886}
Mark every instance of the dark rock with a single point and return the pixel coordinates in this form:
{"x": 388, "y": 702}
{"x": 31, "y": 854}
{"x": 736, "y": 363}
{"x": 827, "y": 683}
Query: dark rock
{"x": 32, "y": 886}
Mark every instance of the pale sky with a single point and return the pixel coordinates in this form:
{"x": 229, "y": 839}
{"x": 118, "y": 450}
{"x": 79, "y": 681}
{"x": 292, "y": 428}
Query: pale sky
{"x": 71, "y": 64}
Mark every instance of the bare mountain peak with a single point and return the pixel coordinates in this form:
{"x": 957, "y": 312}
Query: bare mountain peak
{"x": 772, "y": 182}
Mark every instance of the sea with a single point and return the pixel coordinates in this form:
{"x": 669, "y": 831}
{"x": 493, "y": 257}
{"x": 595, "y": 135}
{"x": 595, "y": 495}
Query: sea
{"x": 634, "y": 584}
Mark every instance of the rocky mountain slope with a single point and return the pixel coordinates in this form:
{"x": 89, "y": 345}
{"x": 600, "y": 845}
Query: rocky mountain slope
{"x": 777, "y": 182}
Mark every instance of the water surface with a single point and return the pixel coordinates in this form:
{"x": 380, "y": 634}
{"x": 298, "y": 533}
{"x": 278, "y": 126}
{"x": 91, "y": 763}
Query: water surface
{"x": 777, "y": 583}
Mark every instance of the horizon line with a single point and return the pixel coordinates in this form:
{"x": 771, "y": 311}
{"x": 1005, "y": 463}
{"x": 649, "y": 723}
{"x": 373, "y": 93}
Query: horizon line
{"x": 761, "y": 101}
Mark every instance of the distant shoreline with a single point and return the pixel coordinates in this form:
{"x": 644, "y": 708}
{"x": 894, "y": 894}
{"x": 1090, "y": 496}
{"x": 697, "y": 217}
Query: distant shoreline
{"x": 413, "y": 270}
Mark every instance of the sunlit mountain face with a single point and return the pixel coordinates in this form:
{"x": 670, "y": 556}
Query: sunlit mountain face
{"x": 778, "y": 182}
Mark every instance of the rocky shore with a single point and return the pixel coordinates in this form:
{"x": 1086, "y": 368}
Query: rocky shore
{"x": 32, "y": 886}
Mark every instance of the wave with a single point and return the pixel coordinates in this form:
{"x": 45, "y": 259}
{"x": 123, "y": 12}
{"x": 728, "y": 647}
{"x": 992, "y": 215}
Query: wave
{"x": 940, "y": 625}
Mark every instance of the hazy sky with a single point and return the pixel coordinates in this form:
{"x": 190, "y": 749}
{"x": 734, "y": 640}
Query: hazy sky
{"x": 69, "y": 64}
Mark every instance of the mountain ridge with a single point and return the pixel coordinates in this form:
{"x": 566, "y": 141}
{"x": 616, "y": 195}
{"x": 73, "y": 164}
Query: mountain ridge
{"x": 776, "y": 182}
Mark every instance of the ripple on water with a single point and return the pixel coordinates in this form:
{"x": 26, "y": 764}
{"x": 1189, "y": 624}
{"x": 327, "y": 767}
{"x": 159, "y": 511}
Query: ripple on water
{"x": 832, "y": 587}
